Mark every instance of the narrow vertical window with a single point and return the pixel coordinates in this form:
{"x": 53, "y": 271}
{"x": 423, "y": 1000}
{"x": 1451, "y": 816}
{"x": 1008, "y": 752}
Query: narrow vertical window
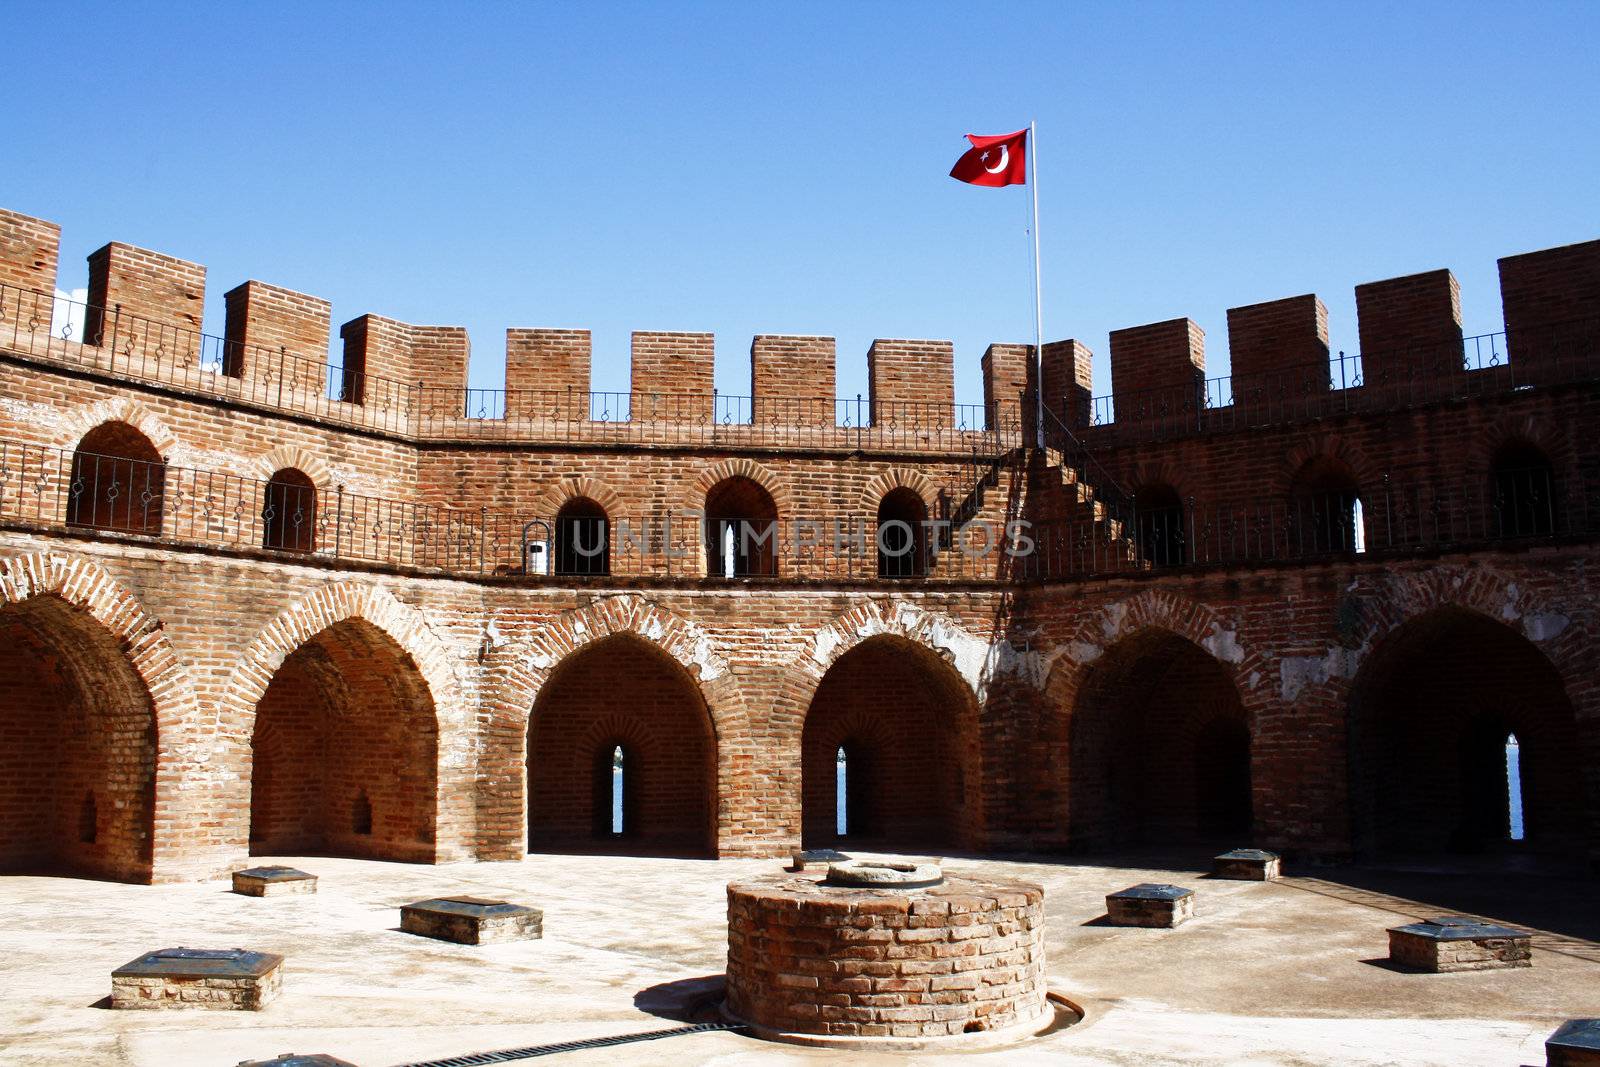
{"x": 617, "y": 771}
{"x": 841, "y": 791}
{"x": 1514, "y": 785}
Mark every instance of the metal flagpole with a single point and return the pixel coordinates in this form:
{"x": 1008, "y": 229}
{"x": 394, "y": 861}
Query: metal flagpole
{"x": 1038, "y": 308}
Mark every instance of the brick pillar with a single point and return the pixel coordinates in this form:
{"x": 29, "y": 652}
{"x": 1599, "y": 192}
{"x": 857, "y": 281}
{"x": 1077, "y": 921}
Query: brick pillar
{"x": 792, "y": 380}
{"x": 1552, "y": 312}
{"x": 162, "y": 299}
{"x": 547, "y": 374}
{"x": 262, "y": 319}
{"x": 1008, "y": 389}
{"x": 1410, "y": 330}
{"x": 1068, "y": 382}
{"x": 30, "y": 249}
{"x": 1280, "y": 353}
{"x": 911, "y": 383}
{"x": 673, "y": 376}
{"x": 377, "y": 351}
{"x": 438, "y": 378}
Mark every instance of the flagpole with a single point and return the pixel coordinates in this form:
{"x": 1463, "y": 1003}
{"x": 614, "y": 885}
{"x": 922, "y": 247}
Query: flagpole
{"x": 1038, "y": 302}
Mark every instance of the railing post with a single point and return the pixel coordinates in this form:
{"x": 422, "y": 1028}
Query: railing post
{"x": 858, "y": 422}
{"x": 282, "y": 357}
{"x": 483, "y": 539}
{"x": 338, "y": 524}
{"x": 116, "y": 327}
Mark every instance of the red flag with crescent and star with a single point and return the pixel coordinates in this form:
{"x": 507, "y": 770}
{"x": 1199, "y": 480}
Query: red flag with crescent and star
{"x": 1001, "y": 159}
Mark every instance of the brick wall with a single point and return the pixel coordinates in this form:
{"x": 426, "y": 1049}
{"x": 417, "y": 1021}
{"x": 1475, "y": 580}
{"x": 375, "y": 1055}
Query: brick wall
{"x": 547, "y": 373}
{"x": 161, "y": 296}
{"x": 29, "y": 251}
{"x": 673, "y": 376}
{"x": 1068, "y": 382}
{"x": 1168, "y": 358}
{"x": 792, "y": 380}
{"x": 911, "y": 383}
{"x": 1552, "y": 309}
{"x": 1410, "y": 328}
{"x": 1278, "y": 347}
{"x": 267, "y": 325}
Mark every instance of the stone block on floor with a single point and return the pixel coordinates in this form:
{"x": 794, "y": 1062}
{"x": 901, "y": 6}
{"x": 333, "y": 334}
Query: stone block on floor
{"x": 1150, "y": 904}
{"x": 1247, "y": 865}
{"x": 273, "y": 881}
{"x": 1459, "y": 943}
{"x": 472, "y": 920}
{"x": 215, "y": 979}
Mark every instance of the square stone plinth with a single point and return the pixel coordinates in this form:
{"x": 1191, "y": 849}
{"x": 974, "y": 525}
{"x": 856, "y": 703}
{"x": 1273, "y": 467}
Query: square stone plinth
{"x": 815, "y": 859}
{"x": 1458, "y": 943}
{"x": 1150, "y": 904}
{"x": 1247, "y": 865}
{"x": 273, "y": 882}
{"x": 217, "y": 979}
{"x": 299, "y": 1059}
{"x": 472, "y": 920}
{"x": 1576, "y": 1043}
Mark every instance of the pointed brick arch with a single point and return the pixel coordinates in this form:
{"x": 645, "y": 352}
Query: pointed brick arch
{"x": 303, "y": 460}
{"x": 517, "y": 672}
{"x": 847, "y": 681}
{"x": 406, "y": 626}
{"x": 123, "y": 409}
{"x": 1327, "y": 445}
{"x": 580, "y": 487}
{"x": 182, "y": 750}
{"x": 881, "y": 485}
{"x": 1145, "y": 617}
{"x": 742, "y": 467}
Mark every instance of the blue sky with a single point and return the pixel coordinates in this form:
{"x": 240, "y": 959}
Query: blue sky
{"x": 752, "y": 168}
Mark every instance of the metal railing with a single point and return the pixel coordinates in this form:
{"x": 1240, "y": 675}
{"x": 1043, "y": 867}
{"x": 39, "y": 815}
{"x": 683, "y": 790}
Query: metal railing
{"x": 121, "y": 496}
{"x": 117, "y": 343}
{"x": 1487, "y": 364}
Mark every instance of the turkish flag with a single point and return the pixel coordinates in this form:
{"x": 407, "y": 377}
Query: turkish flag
{"x": 998, "y": 160}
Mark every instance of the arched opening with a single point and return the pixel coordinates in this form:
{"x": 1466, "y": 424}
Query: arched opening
{"x": 1431, "y": 714}
{"x": 902, "y": 539}
{"x": 1522, "y": 491}
{"x": 741, "y": 530}
{"x": 1325, "y": 510}
{"x": 906, "y": 724}
{"x": 345, "y": 751}
{"x": 1159, "y": 747}
{"x": 77, "y": 746}
{"x": 118, "y": 481}
{"x": 583, "y": 538}
{"x": 621, "y": 728}
{"x": 1158, "y": 514}
{"x": 289, "y": 514}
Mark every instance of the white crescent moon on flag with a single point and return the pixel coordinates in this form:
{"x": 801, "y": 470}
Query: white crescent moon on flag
{"x": 1005, "y": 160}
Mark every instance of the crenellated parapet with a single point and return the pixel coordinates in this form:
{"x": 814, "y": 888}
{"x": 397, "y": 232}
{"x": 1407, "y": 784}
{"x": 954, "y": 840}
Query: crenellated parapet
{"x": 143, "y": 320}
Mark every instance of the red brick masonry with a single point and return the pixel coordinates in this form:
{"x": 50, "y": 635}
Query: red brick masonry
{"x": 963, "y": 957}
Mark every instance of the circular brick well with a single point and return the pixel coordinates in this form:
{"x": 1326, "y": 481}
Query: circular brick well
{"x": 813, "y": 962}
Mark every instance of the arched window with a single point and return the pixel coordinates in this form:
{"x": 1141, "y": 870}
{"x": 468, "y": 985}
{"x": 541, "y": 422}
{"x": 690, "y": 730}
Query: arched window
{"x": 583, "y": 538}
{"x": 615, "y": 790}
{"x": 1325, "y": 510}
{"x": 1159, "y": 520}
{"x": 289, "y": 513}
{"x": 1522, "y": 492}
{"x": 118, "y": 481}
{"x": 902, "y": 539}
{"x": 741, "y": 530}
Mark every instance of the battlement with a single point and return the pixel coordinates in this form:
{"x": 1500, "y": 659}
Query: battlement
{"x": 144, "y": 315}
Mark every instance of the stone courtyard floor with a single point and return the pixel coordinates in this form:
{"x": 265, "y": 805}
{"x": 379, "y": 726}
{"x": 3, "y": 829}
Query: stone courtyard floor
{"x": 1284, "y": 973}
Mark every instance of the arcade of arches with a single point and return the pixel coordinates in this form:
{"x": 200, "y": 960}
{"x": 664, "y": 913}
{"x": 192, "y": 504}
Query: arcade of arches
{"x": 345, "y": 751}
{"x": 621, "y": 692}
{"x": 906, "y": 723}
{"x": 77, "y": 746}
